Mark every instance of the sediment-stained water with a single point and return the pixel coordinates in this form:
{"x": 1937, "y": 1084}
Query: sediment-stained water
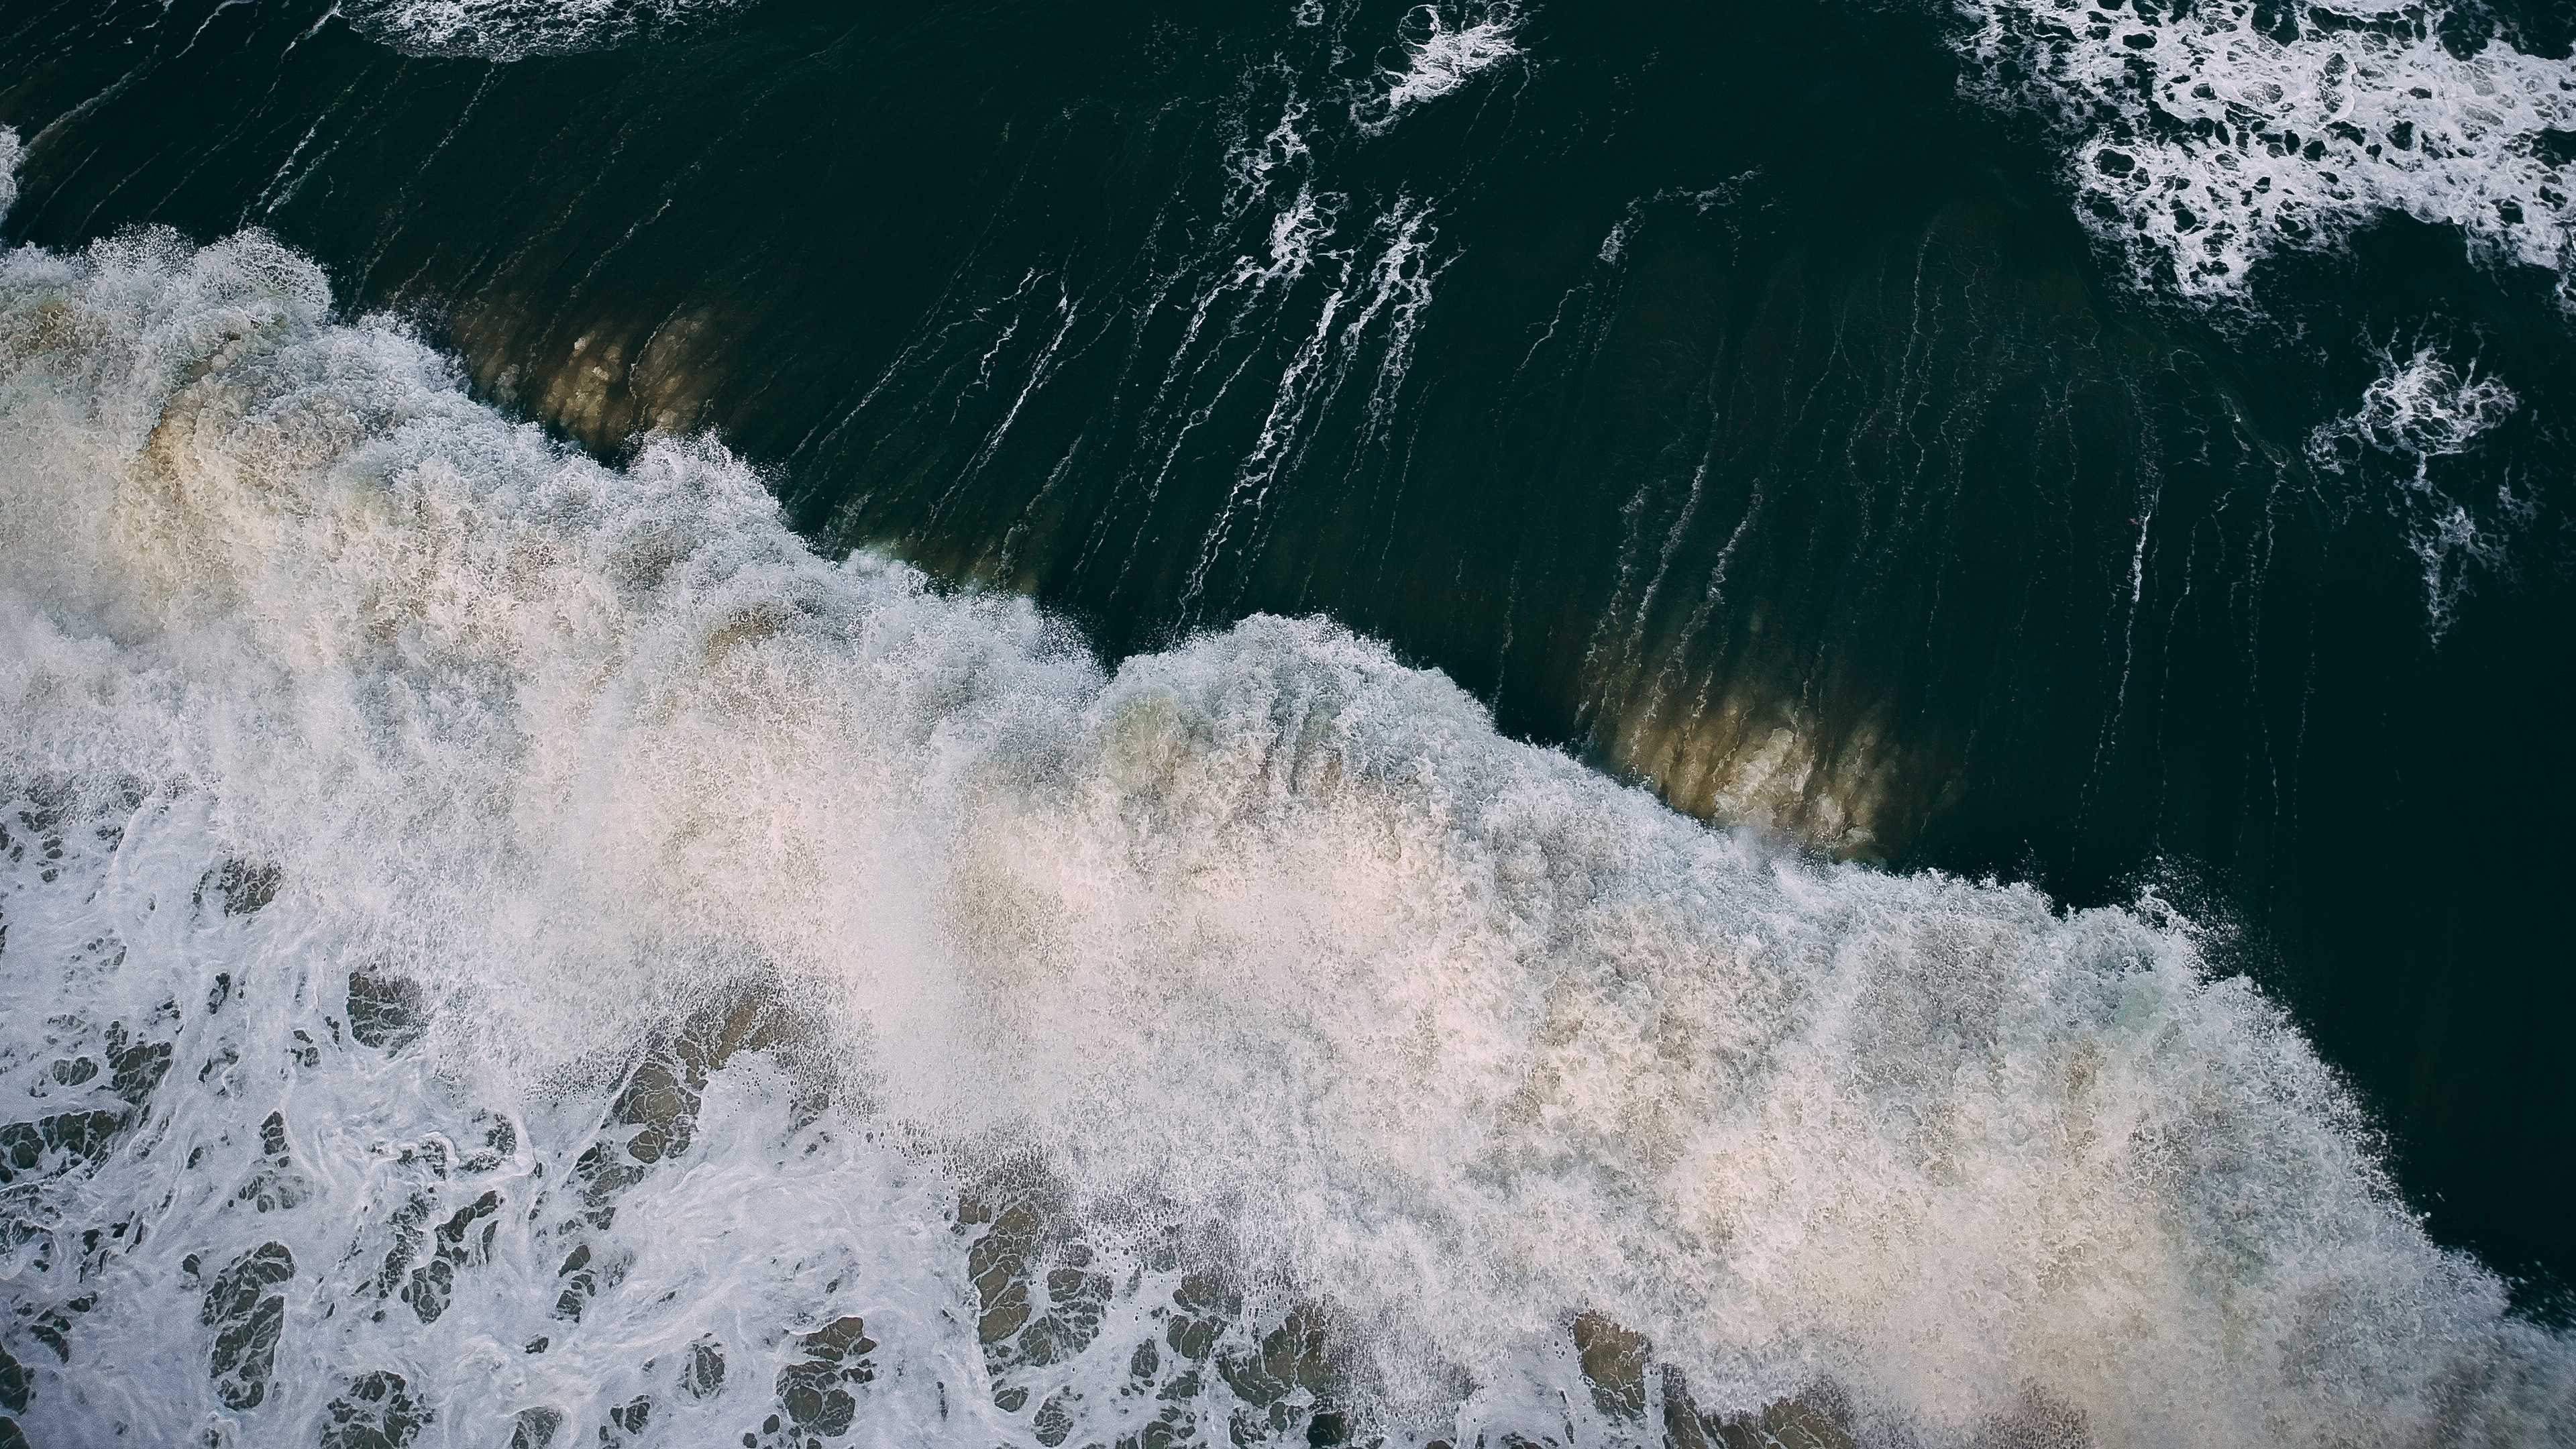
{"x": 804, "y": 724}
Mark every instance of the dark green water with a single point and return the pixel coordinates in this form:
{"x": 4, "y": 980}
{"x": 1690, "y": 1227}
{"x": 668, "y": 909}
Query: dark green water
{"x": 1710, "y": 388}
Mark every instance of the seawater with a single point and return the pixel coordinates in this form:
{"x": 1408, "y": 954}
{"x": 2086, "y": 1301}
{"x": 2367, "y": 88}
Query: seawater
{"x": 804, "y": 723}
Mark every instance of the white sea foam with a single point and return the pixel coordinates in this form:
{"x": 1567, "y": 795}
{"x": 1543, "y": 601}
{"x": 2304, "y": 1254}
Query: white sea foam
{"x": 509, "y": 29}
{"x": 1442, "y": 48}
{"x": 2199, "y": 141}
{"x": 2421, "y": 408}
{"x": 1265, "y": 956}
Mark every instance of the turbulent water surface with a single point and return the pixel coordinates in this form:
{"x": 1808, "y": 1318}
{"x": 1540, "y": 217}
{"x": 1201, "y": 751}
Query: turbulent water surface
{"x": 801, "y": 723}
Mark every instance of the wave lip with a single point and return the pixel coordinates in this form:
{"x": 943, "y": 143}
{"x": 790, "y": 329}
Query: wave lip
{"x": 1268, "y": 938}
{"x": 2203, "y": 138}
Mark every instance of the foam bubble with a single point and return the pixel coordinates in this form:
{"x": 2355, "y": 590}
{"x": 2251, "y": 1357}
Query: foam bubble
{"x": 2202, "y": 138}
{"x": 513, "y": 827}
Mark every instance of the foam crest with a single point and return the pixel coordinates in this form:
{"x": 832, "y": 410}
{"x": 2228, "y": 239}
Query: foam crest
{"x": 2202, "y": 138}
{"x": 389, "y": 769}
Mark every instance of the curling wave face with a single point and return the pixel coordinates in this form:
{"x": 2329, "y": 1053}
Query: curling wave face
{"x": 500, "y": 944}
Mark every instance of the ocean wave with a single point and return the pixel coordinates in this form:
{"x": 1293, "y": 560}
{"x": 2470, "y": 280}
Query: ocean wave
{"x": 505, "y": 945}
{"x": 2201, "y": 139}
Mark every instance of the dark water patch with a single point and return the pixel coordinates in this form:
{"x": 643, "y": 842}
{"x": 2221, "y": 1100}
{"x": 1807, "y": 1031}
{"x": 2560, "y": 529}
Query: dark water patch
{"x": 248, "y": 1319}
{"x": 818, "y": 1391}
{"x": 385, "y": 1012}
{"x": 55, "y": 1144}
{"x": 376, "y": 1411}
{"x": 535, "y": 1428}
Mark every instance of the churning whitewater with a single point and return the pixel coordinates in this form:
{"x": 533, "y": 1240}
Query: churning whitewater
{"x": 506, "y": 949}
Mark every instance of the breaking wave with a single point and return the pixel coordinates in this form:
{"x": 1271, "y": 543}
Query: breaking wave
{"x": 501, "y": 945}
